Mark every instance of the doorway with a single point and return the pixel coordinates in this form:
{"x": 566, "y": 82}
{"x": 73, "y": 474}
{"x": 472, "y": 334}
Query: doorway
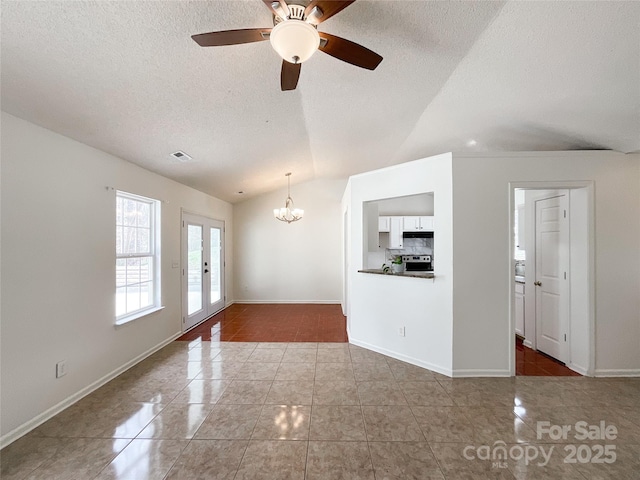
{"x": 203, "y": 288}
{"x": 551, "y": 251}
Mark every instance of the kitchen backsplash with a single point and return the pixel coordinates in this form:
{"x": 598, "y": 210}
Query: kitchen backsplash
{"x": 412, "y": 246}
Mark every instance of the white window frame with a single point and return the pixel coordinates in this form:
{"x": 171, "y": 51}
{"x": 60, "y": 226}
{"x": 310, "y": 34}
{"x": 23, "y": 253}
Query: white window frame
{"x": 153, "y": 254}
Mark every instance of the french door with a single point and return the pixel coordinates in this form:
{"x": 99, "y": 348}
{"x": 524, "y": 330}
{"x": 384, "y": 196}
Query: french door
{"x": 203, "y": 292}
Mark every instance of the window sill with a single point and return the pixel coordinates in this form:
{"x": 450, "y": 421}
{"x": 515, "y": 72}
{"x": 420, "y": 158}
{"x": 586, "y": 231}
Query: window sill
{"x": 137, "y": 315}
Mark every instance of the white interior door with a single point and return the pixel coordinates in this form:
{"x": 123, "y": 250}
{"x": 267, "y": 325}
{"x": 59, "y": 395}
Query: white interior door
{"x": 550, "y": 268}
{"x": 203, "y": 292}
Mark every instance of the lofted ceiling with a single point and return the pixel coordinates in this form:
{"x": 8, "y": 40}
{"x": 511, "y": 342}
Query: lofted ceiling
{"x": 126, "y": 77}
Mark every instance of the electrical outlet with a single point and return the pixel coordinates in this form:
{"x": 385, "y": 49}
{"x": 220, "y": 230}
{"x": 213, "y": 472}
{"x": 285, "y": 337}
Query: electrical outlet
{"x": 61, "y": 369}
{"x": 401, "y": 331}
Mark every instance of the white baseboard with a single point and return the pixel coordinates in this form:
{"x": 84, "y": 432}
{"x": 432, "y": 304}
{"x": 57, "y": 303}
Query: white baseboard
{"x": 528, "y": 343}
{"x": 578, "y": 369}
{"x": 625, "y": 372}
{"x": 481, "y": 373}
{"x": 400, "y": 356}
{"x": 277, "y": 302}
{"x": 26, "y": 427}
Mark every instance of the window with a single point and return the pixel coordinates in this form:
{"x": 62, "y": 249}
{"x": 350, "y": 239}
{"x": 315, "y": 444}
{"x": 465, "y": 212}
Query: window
{"x": 137, "y": 256}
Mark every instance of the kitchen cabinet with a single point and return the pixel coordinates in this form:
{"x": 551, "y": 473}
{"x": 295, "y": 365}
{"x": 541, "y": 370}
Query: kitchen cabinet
{"x": 395, "y": 232}
{"x": 384, "y": 224}
{"x": 520, "y": 309}
{"x": 418, "y": 223}
{"x": 520, "y": 230}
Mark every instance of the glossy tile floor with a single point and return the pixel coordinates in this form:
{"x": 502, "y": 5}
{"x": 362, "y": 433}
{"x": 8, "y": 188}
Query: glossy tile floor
{"x": 532, "y": 363}
{"x": 236, "y": 410}
{"x": 273, "y": 323}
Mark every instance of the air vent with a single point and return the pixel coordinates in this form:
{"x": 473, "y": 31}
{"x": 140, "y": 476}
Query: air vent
{"x": 181, "y": 156}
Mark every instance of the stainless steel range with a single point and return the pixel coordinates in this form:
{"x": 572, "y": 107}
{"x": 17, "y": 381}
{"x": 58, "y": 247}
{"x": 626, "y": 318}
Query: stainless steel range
{"x": 418, "y": 263}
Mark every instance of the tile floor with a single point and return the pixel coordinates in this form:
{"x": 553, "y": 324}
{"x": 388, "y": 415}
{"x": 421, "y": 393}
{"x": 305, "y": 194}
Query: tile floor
{"x": 239, "y": 410}
{"x": 532, "y": 363}
{"x": 269, "y": 322}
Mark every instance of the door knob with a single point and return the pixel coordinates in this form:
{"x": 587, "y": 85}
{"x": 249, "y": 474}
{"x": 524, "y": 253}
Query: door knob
{"x": 206, "y": 271}
{"x": 537, "y": 284}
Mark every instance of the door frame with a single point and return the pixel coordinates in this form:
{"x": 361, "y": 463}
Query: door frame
{"x": 587, "y": 343}
{"x": 183, "y": 267}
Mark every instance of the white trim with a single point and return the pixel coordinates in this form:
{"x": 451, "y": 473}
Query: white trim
{"x": 624, "y": 372}
{"x": 401, "y": 357}
{"x": 137, "y": 315}
{"x": 481, "y": 373}
{"x": 577, "y": 368}
{"x": 527, "y": 343}
{"x": 29, "y": 425}
{"x": 322, "y": 302}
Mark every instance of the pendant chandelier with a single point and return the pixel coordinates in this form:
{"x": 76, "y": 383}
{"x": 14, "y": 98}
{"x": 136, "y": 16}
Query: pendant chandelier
{"x": 288, "y": 213}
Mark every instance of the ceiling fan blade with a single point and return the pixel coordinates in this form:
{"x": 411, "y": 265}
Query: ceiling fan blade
{"x": 283, "y": 6}
{"x": 232, "y": 37}
{"x": 329, "y": 8}
{"x": 289, "y": 75}
{"x": 349, "y": 52}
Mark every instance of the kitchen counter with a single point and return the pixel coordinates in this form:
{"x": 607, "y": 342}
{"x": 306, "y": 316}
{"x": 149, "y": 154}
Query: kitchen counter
{"x": 378, "y": 271}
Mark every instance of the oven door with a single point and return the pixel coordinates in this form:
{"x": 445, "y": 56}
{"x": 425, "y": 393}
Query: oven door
{"x": 417, "y": 267}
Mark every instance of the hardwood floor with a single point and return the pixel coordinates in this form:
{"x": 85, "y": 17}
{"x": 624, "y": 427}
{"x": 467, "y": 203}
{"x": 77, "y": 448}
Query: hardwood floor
{"x": 273, "y": 323}
{"x": 533, "y": 363}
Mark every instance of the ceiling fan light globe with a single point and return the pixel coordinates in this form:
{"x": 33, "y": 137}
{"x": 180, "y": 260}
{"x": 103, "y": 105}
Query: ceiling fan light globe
{"x": 294, "y": 40}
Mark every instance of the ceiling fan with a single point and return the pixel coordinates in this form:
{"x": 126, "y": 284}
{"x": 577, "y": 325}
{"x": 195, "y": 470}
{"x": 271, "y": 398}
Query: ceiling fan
{"x": 295, "y": 37}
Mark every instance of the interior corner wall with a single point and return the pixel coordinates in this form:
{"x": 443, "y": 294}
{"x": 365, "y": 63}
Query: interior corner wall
{"x": 482, "y": 266}
{"x": 58, "y": 271}
{"x": 300, "y": 262}
{"x": 379, "y": 304}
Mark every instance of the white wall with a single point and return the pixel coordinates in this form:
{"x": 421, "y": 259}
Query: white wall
{"x": 58, "y": 273}
{"x": 482, "y": 269}
{"x": 379, "y": 304}
{"x": 299, "y": 262}
{"x": 408, "y": 205}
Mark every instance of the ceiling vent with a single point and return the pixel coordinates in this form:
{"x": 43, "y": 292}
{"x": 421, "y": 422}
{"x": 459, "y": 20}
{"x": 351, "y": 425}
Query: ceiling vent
{"x": 181, "y": 156}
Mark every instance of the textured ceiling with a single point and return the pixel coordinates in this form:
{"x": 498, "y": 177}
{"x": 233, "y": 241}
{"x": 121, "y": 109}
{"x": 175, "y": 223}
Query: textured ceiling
{"x": 125, "y": 77}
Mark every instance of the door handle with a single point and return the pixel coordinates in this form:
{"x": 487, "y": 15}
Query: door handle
{"x": 206, "y": 271}
{"x": 537, "y": 284}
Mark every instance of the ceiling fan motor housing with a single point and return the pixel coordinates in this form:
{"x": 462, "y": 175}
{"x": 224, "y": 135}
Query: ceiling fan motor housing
{"x": 296, "y": 12}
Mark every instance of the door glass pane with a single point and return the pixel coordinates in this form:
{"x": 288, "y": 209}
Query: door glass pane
{"x": 194, "y": 268}
{"x": 215, "y": 265}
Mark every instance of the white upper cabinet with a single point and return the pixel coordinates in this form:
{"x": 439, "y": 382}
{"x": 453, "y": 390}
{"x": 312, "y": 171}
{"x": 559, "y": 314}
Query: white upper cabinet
{"x": 384, "y": 223}
{"x": 418, "y": 224}
{"x": 395, "y": 232}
